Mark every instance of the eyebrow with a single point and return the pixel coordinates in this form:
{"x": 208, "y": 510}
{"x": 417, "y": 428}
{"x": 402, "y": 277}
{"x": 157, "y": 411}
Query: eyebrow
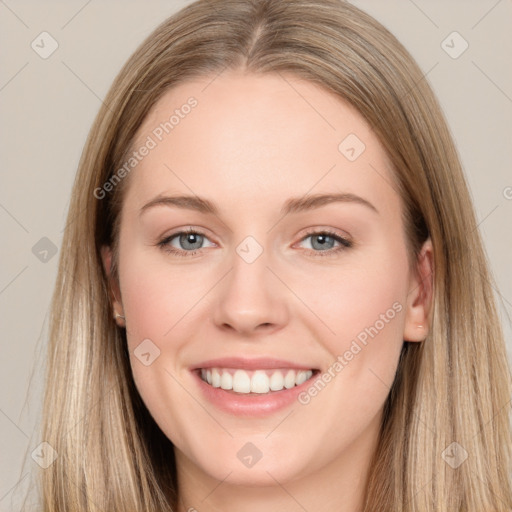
{"x": 292, "y": 205}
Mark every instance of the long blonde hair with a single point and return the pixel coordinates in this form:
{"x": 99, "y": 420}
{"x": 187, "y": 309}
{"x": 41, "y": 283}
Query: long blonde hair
{"x": 453, "y": 387}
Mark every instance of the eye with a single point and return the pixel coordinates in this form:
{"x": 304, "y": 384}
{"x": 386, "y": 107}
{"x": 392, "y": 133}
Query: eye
{"x": 324, "y": 241}
{"x": 191, "y": 240}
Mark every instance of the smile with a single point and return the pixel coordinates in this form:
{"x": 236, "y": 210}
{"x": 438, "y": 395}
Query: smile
{"x": 255, "y": 381}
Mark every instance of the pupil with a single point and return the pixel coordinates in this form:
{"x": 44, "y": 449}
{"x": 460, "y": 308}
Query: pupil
{"x": 192, "y": 239}
{"x": 321, "y": 241}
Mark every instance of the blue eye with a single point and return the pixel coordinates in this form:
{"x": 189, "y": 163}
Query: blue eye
{"x": 186, "y": 238}
{"x": 325, "y": 241}
{"x": 191, "y": 241}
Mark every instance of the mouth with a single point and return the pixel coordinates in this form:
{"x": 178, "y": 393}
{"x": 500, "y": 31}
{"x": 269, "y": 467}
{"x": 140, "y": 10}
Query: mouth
{"x": 252, "y": 387}
{"x": 255, "y": 382}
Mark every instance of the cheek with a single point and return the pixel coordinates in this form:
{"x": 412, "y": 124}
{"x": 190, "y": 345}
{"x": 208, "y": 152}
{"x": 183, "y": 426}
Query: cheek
{"x": 159, "y": 302}
{"x": 360, "y": 312}
{"x": 162, "y": 302}
{"x": 363, "y": 292}
{"x": 158, "y": 296}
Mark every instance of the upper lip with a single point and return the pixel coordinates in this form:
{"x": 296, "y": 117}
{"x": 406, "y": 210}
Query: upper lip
{"x": 259, "y": 363}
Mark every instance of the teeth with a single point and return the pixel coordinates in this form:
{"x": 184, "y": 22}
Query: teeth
{"x": 226, "y": 381}
{"x": 241, "y": 382}
{"x": 276, "y": 381}
{"x": 289, "y": 380}
{"x": 215, "y": 378}
{"x": 301, "y": 377}
{"x": 258, "y": 381}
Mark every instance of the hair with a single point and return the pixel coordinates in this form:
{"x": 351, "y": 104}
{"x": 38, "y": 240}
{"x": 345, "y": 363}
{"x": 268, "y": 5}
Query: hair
{"x": 453, "y": 387}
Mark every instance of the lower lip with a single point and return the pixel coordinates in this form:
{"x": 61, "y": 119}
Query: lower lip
{"x": 255, "y": 405}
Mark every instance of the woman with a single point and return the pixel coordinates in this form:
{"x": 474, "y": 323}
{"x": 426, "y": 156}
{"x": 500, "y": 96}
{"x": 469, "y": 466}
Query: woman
{"x": 330, "y": 341}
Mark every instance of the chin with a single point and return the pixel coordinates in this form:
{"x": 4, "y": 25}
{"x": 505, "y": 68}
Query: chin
{"x": 243, "y": 463}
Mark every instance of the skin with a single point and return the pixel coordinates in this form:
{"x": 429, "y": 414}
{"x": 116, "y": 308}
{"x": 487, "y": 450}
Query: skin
{"x": 251, "y": 143}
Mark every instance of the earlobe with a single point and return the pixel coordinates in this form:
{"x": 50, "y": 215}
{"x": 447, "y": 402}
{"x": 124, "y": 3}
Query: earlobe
{"x": 113, "y": 286}
{"x": 420, "y": 296}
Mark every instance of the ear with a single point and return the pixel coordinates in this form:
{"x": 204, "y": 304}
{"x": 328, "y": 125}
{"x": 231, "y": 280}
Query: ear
{"x": 420, "y": 296}
{"x": 113, "y": 286}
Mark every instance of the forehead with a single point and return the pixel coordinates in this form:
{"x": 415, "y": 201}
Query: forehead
{"x": 257, "y": 136}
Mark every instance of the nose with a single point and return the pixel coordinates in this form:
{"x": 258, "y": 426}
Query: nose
{"x": 251, "y": 299}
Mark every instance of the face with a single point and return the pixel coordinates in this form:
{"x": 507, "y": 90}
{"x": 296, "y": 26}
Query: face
{"x": 294, "y": 307}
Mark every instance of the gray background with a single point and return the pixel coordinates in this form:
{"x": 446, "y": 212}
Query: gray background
{"x": 47, "y": 107}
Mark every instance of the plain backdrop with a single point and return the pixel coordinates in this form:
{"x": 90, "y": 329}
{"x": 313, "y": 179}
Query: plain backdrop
{"x": 47, "y": 106}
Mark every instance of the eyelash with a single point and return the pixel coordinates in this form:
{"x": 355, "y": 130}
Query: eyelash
{"x": 345, "y": 243}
